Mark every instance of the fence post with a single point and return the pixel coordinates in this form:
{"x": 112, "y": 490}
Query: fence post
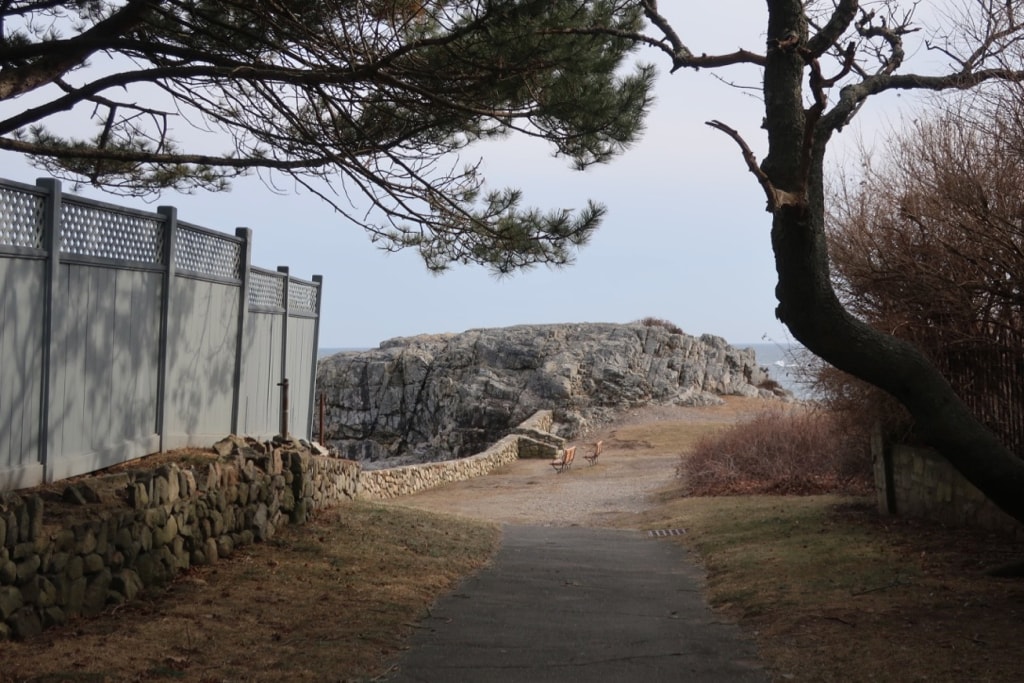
{"x": 286, "y": 295}
{"x": 245, "y": 261}
{"x": 881, "y": 458}
{"x": 170, "y": 215}
{"x": 319, "y": 280}
{"x": 51, "y": 288}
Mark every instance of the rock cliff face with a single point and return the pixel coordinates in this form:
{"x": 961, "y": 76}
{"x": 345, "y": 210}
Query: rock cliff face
{"x": 435, "y": 397}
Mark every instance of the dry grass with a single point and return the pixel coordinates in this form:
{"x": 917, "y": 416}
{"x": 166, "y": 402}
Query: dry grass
{"x": 832, "y": 592}
{"x": 676, "y": 430}
{"x": 329, "y": 601}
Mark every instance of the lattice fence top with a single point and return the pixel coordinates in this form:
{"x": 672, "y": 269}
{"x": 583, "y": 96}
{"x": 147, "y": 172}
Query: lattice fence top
{"x": 207, "y": 253}
{"x": 103, "y": 231}
{"x": 21, "y": 219}
{"x": 302, "y": 297}
{"x": 88, "y": 230}
{"x": 266, "y": 290}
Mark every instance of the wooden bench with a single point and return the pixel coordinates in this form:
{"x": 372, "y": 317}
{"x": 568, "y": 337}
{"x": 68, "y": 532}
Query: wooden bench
{"x": 592, "y": 456}
{"x": 564, "y": 461}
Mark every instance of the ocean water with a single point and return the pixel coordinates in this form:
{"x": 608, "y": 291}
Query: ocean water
{"x": 784, "y": 363}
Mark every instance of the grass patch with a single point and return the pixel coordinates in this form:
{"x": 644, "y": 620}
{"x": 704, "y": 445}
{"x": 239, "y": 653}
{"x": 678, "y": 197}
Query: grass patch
{"x": 331, "y": 600}
{"x": 675, "y": 430}
{"x": 834, "y": 593}
{"x": 780, "y": 551}
{"x": 660, "y": 437}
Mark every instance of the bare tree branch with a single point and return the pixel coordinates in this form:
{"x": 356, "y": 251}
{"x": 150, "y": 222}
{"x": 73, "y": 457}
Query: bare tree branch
{"x": 776, "y": 197}
{"x": 853, "y": 95}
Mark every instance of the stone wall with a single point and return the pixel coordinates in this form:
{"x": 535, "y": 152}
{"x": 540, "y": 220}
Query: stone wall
{"x": 531, "y": 439}
{"x": 918, "y": 482}
{"x": 541, "y": 421}
{"x": 159, "y": 522}
{"x": 170, "y": 518}
{"x": 402, "y": 481}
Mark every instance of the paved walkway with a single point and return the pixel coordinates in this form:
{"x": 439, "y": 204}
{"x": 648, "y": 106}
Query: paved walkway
{"x": 579, "y": 604}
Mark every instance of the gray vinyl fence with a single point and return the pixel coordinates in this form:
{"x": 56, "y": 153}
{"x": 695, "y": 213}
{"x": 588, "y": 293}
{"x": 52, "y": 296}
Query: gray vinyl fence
{"x": 123, "y": 333}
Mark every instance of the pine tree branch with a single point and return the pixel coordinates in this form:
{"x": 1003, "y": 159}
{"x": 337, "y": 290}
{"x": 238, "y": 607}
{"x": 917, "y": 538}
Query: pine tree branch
{"x": 63, "y": 56}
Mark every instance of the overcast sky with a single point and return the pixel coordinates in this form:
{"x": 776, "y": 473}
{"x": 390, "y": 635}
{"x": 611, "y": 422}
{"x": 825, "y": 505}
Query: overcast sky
{"x": 686, "y": 237}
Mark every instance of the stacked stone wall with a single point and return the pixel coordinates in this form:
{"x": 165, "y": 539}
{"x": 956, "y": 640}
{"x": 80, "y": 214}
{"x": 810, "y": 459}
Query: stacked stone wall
{"x": 541, "y": 421}
{"x": 918, "y": 482}
{"x": 402, "y": 481}
{"x": 170, "y": 518}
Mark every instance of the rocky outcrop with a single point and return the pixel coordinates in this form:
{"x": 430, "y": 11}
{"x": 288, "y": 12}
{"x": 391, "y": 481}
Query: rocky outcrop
{"x": 434, "y": 397}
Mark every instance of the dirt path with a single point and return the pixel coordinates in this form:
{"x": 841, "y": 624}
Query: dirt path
{"x": 640, "y": 456}
{"x": 530, "y": 492}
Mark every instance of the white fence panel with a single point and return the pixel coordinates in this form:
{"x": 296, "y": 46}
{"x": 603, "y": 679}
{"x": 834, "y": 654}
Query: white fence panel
{"x": 21, "y": 337}
{"x": 123, "y": 332}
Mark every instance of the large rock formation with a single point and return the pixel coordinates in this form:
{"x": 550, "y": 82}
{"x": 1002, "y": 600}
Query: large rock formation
{"x": 434, "y": 397}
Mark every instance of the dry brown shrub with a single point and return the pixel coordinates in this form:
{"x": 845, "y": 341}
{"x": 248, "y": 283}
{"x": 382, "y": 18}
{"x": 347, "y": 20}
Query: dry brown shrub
{"x": 788, "y": 450}
{"x": 651, "y": 321}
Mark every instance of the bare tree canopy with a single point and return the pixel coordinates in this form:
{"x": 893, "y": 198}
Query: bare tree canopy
{"x": 927, "y": 243}
{"x": 355, "y": 99}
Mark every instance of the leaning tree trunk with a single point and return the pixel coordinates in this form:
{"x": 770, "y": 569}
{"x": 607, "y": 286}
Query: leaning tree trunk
{"x": 792, "y": 174}
{"x": 809, "y": 308}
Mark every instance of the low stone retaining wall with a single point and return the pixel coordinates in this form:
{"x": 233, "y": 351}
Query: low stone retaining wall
{"x": 139, "y": 528}
{"x": 402, "y": 481}
{"x": 541, "y": 421}
{"x": 171, "y": 518}
{"x": 918, "y": 482}
{"x": 529, "y": 439}
{"x": 537, "y": 440}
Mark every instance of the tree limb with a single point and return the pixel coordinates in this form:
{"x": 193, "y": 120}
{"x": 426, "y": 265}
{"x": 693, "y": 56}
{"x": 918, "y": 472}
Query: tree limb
{"x": 671, "y": 44}
{"x": 831, "y": 32}
{"x": 682, "y": 56}
{"x": 70, "y": 53}
{"x": 776, "y": 197}
{"x": 124, "y": 155}
{"x": 852, "y": 96}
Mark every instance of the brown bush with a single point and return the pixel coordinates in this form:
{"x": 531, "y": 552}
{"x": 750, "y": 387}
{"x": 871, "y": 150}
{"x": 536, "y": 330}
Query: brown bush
{"x": 781, "y": 451}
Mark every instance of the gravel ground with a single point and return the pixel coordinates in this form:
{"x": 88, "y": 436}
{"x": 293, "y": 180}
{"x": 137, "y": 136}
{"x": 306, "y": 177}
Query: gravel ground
{"x": 626, "y": 480}
{"x": 531, "y": 492}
